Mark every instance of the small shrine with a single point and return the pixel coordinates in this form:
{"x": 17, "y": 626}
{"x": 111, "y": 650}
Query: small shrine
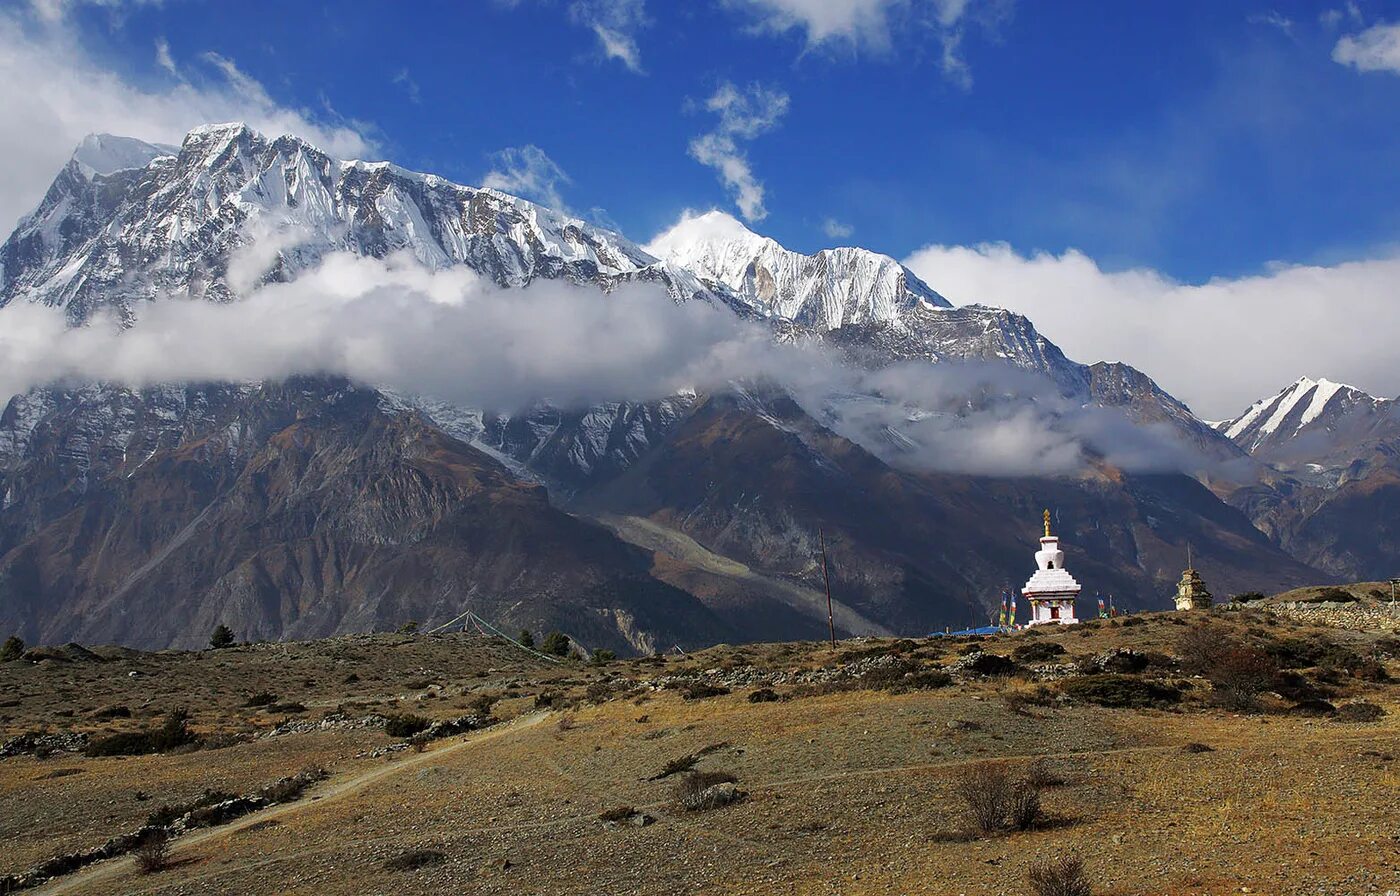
{"x": 1051, "y": 591}
{"x": 1191, "y": 593}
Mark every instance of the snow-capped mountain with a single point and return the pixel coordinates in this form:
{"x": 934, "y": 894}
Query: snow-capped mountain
{"x": 167, "y": 221}
{"x": 831, "y": 289}
{"x": 1316, "y": 422}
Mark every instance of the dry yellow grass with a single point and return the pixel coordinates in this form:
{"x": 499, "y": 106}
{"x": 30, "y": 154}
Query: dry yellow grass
{"x": 853, "y": 792}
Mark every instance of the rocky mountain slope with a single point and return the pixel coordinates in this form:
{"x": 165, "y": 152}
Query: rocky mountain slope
{"x": 313, "y": 507}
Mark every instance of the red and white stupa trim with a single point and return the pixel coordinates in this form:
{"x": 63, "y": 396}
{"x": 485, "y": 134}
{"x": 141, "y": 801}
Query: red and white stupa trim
{"x": 1052, "y": 590}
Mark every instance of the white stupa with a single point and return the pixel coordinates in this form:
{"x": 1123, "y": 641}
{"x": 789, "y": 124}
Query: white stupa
{"x": 1052, "y": 590}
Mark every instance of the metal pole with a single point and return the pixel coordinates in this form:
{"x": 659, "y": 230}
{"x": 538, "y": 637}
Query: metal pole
{"x": 830, "y": 616}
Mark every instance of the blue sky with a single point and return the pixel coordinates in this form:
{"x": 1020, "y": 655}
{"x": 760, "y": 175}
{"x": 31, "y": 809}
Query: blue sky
{"x": 1198, "y": 138}
{"x": 1206, "y": 190}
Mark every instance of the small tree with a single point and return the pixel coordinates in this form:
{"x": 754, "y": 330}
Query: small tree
{"x": 12, "y": 649}
{"x": 555, "y": 644}
{"x": 222, "y": 637}
{"x": 603, "y": 656}
{"x": 409, "y": 628}
{"x": 526, "y": 639}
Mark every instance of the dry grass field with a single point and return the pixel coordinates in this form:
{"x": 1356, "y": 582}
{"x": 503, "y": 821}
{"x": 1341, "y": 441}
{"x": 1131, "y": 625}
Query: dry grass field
{"x": 853, "y": 778}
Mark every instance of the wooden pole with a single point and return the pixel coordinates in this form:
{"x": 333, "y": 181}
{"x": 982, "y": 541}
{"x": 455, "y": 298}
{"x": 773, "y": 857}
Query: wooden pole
{"x": 830, "y": 616}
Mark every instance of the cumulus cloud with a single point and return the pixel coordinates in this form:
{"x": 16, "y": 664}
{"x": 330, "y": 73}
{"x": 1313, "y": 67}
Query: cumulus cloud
{"x": 872, "y": 25}
{"x": 67, "y": 95}
{"x": 1377, "y": 49}
{"x": 452, "y": 335}
{"x": 1218, "y": 346}
{"x": 615, "y": 23}
{"x": 526, "y": 171}
{"x": 744, "y": 113}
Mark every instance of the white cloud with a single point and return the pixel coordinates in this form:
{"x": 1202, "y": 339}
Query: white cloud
{"x": 452, "y": 335}
{"x": 615, "y": 23}
{"x": 1218, "y": 346}
{"x": 1377, "y": 49}
{"x": 744, "y": 113}
{"x": 526, "y": 171}
{"x": 872, "y": 25}
{"x": 68, "y": 95}
{"x": 163, "y": 57}
{"x": 836, "y": 230}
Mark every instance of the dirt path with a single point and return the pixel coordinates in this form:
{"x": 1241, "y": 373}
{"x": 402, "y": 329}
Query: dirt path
{"x": 102, "y": 872}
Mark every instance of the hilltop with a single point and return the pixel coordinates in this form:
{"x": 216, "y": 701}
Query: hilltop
{"x": 1175, "y": 753}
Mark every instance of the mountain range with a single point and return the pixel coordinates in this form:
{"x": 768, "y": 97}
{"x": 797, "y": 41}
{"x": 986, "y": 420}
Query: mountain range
{"x": 315, "y": 505}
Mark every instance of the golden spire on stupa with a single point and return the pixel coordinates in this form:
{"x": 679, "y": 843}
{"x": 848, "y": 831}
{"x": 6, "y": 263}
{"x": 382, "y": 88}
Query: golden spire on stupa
{"x": 1047, "y": 522}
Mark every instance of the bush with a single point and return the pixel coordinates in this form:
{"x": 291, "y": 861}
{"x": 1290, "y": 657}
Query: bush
{"x": 698, "y": 791}
{"x": 414, "y": 859}
{"x": 526, "y": 639}
{"x": 174, "y": 732}
{"x": 602, "y": 656}
{"x": 989, "y": 664}
{"x": 1194, "y": 747}
{"x": 1201, "y": 647}
{"x": 261, "y": 698}
{"x": 617, "y": 813}
{"x": 555, "y": 644}
{"x": 153, "y": 852}
{"x": 1359, "y": 712}
{"x": 404, "y": 724}
{"x": 221, "y": 638}
{"x": 1240, "y": 675}
{"x": 12, "y": 649}
{"x": 702, "y": 691}
{"x": 167, "y": 815}
{"x": 1039, "y": 652}
{"x": 290, "y": 789}
{"x": 1059, "y": 876}
{"x": 1120, "y": 691}
{"x": 764, "y": 695}
{"x": 995, "y": 802}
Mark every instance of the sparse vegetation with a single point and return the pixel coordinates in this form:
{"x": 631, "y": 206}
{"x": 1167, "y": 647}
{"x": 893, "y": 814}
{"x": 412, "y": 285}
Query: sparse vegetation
{"x": 173, "y": 733}
{"x": 1059, "y": 876}
{"x": 602, "y": 656}
{"x": 702, "y": 691}
{"x": 414, "y": 859}
{"x": 764, "y": 695}
{"x": 261, "y": 698}
{"x": 1120, "y": 691}
{"x": 526, "y": 639}
{"x": 1359, "y": 712}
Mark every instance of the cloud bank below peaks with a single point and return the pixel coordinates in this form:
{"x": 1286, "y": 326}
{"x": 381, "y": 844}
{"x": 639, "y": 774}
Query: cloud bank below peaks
{"x": 452, "y": 335}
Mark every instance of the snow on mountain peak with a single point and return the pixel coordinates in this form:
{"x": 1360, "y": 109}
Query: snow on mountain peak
{"x": 1295, "y": 409}
{"x": 107, "y": 153}
{"x": 828, "y": 290}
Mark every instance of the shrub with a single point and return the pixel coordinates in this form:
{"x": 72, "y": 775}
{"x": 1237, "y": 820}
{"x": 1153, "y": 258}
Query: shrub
{"x": 167, "y": 815}
{"x": 1120, "y": 691}
{"x": 404, "y": 724}
{"x": 986, "y": 789}
{"x": 290, "y": 789}
{"x": 1335, "y": 595}
{"x": 222, "y": 637}
{"x": 702, "y": 691}
{"x": 12, "y": 649}
{"x": 526, "y": 639}
{"x": 1201, "y": 647}
{"x": 698, "y": 791}
{"x": 1059, "y": 876}
{"x": 113, "y": 712}
{"x": 988, "y": 664}
{"x": 602, "y": 656}
{"x": 764, "y": 695}
{"x": 996, "y": 802}
{"x": 174, "y": 732}
{"x": 1040, "y": 775}
{"x": 1312, "y": 708}
{"x": 1194, "y": 747}
{"x": 482, "y": 704}
{"x": 1247, "y": 595}
{"x": 287, "y": 708}
{"x": 555, "y": 644}
{"x": 1240, "y": 674}
{"x": 1039, "y": 652}
{"x": 1359, "y": 712}
{"x": 617, "y": 813}
{"x": 153, "y": 852}
{"x": 414, "y": 859}
{"x": 409, "y": 628}
{"x": 261, "y": 698}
